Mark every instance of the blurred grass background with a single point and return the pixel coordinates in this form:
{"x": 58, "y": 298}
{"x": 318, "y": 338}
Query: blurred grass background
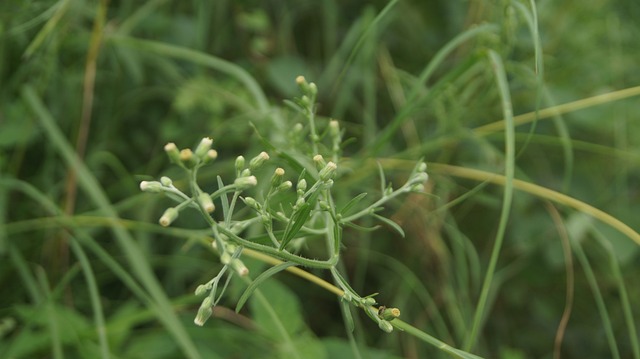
{"x": 90, "y": 91}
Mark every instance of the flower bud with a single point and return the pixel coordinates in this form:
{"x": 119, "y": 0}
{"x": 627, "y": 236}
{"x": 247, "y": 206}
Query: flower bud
{"x": 328, "y": 171}
{"x": 302, "y": 185}
{"x": 276, "y": 179}
{"x": 258, "y": 161}
{"x": 245, "y": 182}
{"x": 204, "y": 312}
{"x": 187, "y": 158}
{"x": 202, "y": 289}
{"x": 418, "y": 187}
{"x": 385, "y": 326}
{"x": 286, "y": 185}
{"x": 388, "y": 313}
{"x": 205, "y": 202}
{"x": 334, "y": 128}
{"x": 168, "y": 216}
{"x": 369, "y": 301}
{"x": 420, "y": 177}
{"x": 151, "y": 186}
{"x": 320, "y": 162}
{"x": 166, "y": 181}
{"x": 172, "y": 152}
{"x": 239, "y": 164}
{"x": 239, "y": 267}
{"x": 313, "y": 89}
{"x": 245, "y": 173}
{"x": 225, "y": 257}
{"x": 203, "y": 147}
{"x": 324, "y": 205}
{"x": 251, "y": 202}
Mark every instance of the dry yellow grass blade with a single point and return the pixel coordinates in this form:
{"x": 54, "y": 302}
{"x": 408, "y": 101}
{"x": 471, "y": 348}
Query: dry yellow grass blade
{"x": 540, "y": 192}
{"x": 561, "y": 109}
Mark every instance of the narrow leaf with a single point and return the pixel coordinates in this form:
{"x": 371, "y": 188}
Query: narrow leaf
{"x": 383, "y": 181}
{"x": 391, "y": 223}
{"x": 337, "y": 237}
{"x": 352, "y": 203}
{"x": 298, "y": 219}
{"x": 223, "y": 199}
{"x": 259, "y": 280}
{"x": 361, "y": 228}
{"x": 346, "y": 314}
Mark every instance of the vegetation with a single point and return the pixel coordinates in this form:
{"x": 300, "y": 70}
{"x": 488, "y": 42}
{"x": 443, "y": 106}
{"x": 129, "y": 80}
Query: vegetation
{"x": 478, "y": 177}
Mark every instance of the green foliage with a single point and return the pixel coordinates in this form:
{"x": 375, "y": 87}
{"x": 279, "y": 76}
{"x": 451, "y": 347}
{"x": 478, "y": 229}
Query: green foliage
{"x": 522, "y": 243}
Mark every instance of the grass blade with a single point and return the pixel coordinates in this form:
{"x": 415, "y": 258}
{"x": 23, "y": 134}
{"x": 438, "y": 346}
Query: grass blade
{"x": 133, "y": 252}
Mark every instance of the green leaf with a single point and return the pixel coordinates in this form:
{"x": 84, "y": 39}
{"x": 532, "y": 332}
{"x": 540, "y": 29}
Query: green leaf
{"x": 361, "y": 228}
{"x": 337, "y": 236}
{"x": 259, "y": 280}
{"x": 223, "y": 199}
{"x": 346, "y": 314}
{"x": 389, "y": 222}
{"x": 352, "y": 203}
{"x": 383, "y": 181}
{"x": 298, "y": 219}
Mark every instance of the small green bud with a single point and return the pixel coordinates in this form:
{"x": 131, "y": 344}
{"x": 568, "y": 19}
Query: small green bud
{"x": 328, "y": 171}
{"x": 245, "y": 182}
{"x": 313, "y": 89}
{"x": 305, "y": 101}
{"x": 418, "y": 187}
{"x": 239, "y": 267}
{"x": 422, "y": 167}
{"x": 388, "y": 190}
{"x": 225, "y": 257}
{"x": 166, "y": 181}
{"x": 251, "y": 202}
{"x": 276, "y": 179}
{"x": 334, "y": 128}
{"x": 203, "y": 147}
{"x": 369, "y": 301}
{"x": 299, "y": 202}
{"x": 284, "y": 186}
{"x": 298, "y": 127}
{"x": 302, "y": 185}
{"x": 205, "y": 202}
{"x": 385, "y": 326}
{"x": 151, "y": 186}
{"x": 258, "y": 161}
{"x": 327, "y": 184}
{"x": 300, "y": 80}
{"x": 172, "y": 152}
{"x": 388, "y": 313}
{"x": 245, "y": 173}
{"x": 239, "y": 164}
{"x": 204, "y": 312}
{"x": 202, "y": 289}
{"x": 320, "y": 162}
{"x": 324, "y": 206}
{"x": 419, "y": 177}
{"x": 187, "y": 158}
{"x": 168, "y": 216}
{"x": 211, "y": 155}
